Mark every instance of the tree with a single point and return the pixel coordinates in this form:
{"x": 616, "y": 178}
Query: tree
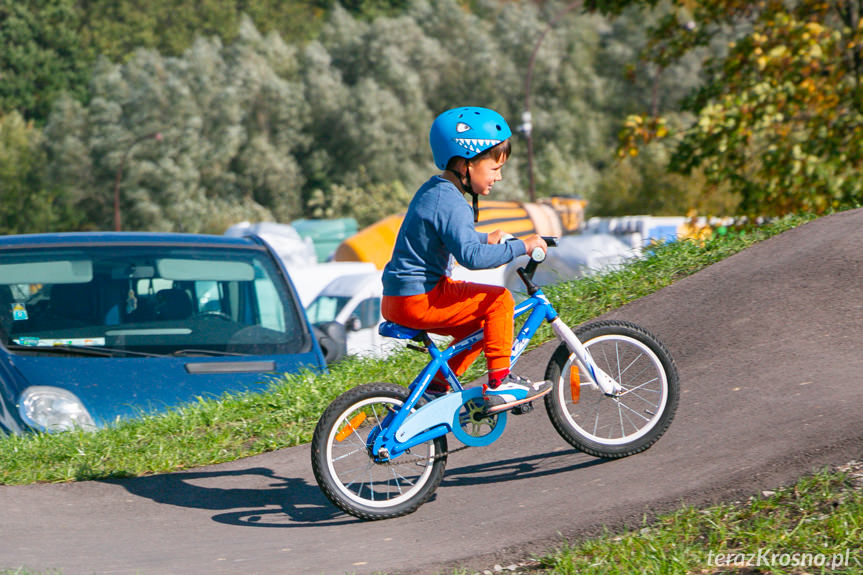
{"x": 228, "y": 123}
{"x": 116, "y": 29}
{"x": 262, "y": 128}
{"x": 41, "y": 57}
{"x": 779, "y": 117}
{"x": 26, "y": 203}
{"x": 643, "y": 185}
{"x": 367, "y": 204}
{"x": 50, "y": 46}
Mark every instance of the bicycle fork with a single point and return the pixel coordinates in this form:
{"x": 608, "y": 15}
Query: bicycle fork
{"x": 606, "y": 383}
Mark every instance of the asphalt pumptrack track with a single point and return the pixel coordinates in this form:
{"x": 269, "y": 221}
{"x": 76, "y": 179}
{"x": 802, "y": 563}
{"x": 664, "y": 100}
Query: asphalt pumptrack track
{"x": 768, "y": 345}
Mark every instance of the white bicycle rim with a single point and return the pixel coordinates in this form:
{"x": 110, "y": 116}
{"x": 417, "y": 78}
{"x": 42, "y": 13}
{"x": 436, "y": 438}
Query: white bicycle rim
{"x": 637, "y": 389}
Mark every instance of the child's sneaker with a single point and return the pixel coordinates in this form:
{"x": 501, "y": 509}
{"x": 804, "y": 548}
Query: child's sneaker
{"x": 512, "y": 391}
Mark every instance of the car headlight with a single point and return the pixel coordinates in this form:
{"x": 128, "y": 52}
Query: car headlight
{"x": 53, "y": 409}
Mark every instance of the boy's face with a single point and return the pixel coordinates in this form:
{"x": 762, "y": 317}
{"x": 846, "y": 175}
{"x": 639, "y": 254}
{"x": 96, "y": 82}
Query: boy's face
{"x": 484, "y": 173}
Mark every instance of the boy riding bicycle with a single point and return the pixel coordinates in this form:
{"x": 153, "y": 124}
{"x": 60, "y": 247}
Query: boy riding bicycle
{"x": 470, "y": 145}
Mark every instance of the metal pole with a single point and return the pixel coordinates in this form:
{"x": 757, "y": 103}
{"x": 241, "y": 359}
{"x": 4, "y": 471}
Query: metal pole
{"x": 527, "y": 120}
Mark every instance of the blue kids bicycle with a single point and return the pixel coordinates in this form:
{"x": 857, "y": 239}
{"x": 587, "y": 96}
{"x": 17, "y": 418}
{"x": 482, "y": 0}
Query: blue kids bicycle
{"x": 379, "y": 450}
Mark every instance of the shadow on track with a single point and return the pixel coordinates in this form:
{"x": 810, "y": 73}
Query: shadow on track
{"x": 527, "y": 467}
{"x": 285, "y": 501}
{"x": 293, "y": 502}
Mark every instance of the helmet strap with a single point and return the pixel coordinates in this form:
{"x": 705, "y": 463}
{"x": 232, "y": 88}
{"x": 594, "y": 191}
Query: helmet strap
{"x": 475, "y": 207}
{"x": 466, "y": 188}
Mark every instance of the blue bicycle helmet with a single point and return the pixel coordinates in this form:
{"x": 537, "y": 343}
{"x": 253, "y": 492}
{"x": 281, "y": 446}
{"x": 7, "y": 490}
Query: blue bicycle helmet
{"x": 465, "y": 133}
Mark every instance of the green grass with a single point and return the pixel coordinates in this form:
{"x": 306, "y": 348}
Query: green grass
{"x": 814, "y": 526}
{"x": 236, "y": 426}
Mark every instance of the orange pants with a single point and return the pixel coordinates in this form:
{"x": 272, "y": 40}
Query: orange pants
{"x": 458, "y": 308}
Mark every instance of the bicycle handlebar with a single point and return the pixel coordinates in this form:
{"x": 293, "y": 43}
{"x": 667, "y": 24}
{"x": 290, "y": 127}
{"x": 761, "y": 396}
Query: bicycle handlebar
{"x": 526, "y": 273}
{"x": 538, "y": 254}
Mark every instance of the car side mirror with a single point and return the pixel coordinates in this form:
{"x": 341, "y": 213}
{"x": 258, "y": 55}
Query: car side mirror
{"x": 332, "y": 339}
{"x": 353, "y": 324}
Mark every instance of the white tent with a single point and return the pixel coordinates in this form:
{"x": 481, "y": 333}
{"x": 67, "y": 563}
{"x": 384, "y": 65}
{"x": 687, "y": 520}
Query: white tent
{"x": 284, "y": 239}
{"x": 575, "y": 256}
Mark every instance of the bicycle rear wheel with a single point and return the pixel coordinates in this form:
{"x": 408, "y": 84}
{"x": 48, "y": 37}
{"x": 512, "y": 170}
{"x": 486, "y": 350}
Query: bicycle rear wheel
{"x": 629, "y": 423}
{"x": 348, "y": 474}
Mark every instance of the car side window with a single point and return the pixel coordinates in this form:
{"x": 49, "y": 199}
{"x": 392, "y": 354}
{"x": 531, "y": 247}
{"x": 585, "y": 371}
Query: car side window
{"x": 369, "y": 311}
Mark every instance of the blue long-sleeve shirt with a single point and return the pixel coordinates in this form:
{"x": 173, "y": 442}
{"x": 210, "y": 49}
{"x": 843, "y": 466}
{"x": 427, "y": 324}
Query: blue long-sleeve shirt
{"x": 438, "y": 224}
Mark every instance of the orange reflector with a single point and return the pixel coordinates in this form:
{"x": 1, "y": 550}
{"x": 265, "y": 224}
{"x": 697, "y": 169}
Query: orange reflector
{"x": 351, "y": 426}
{"x": 575, "y": 382}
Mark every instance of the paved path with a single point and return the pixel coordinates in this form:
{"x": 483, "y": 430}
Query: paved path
{"x": 768, "y": 343}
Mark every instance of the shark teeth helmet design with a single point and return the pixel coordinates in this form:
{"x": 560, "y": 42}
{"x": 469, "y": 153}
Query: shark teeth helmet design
{"x": 466, "y": 132}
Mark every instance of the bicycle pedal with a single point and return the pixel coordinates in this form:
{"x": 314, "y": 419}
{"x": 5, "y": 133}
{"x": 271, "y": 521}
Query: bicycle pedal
{"x": 523, "y": 408}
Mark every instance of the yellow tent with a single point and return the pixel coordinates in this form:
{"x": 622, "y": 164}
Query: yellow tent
{"x": 372, "y": 244}
{"x": 551, "y": 217}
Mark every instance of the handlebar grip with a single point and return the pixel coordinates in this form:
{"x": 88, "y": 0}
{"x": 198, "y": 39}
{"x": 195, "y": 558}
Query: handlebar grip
{"x": 538, "y": 254}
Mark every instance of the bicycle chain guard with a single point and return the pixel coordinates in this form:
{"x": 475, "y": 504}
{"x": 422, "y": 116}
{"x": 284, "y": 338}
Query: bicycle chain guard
{"x": 448, "y": 410}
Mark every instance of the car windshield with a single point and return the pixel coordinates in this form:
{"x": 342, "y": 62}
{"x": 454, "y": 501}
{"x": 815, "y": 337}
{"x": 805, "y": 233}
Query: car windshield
{"x": 159, "y": 299}
{"x": 326, "y": 308}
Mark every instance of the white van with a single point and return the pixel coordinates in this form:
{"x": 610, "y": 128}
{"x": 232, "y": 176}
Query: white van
{"x": 354, "y": 300}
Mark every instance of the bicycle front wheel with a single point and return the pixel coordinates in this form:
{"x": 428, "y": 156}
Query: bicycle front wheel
{"x": 625, "y": 424}
{"x": 348, "y": 474}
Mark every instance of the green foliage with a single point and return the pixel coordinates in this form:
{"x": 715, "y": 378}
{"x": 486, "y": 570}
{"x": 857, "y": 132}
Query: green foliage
{"x": 366, "y": 204}
{"x": 261, "y": 129}
{"x": 786, "y": 125}
{"x": 256, "y": 125}
{"x": 642, "y": 184}
{"x": 779, "y": 118}
{"x": 50, "y": 45}
{"x": 198, "y": 142}
{"x": 42, "y": 55}
{"x": 25, "y": 203}
{"x": 116, "y": 29}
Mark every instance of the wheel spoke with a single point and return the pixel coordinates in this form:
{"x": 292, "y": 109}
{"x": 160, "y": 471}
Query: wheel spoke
{"x": 396, "y": 480}
{"x": 371, "y": 485}
{"x": 620, "y": 417}
{"x": 641, "y": 385}
{"x": 642, "y": 398}
{"x": 398, "y": 476}
{"x": 625, "y": 369}
{"x": 348, "y": 454}
{"x": 630, "y": 410}
{"x": 358, "y": 469}
{"x": 378, "y": 419}
{"x": 637, "y": 376}
{"x": 625, "y": 415}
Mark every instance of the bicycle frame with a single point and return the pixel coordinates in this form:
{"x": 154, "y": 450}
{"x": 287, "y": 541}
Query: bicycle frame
{"x": 407, "y": 427}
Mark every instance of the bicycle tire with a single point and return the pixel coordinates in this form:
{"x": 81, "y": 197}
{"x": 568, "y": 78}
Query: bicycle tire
{"x": 346, "y": 471}
{"x": 614, "y": 427}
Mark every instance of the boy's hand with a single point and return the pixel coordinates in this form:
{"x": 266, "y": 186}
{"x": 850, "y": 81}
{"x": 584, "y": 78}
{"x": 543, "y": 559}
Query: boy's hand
{"x": 496, "y": 236}
{"x": 534, "y": 241}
